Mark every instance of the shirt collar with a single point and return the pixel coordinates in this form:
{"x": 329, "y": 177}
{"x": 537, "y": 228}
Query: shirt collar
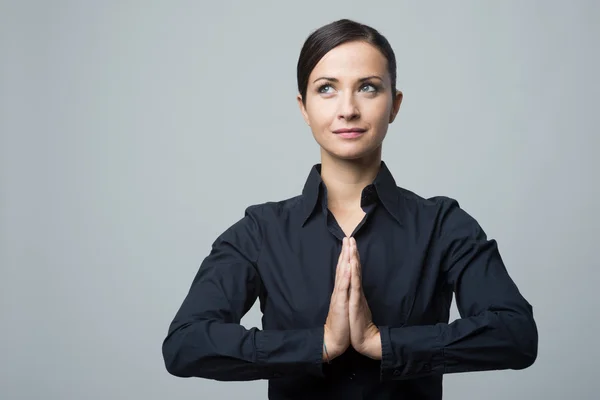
{"x": 385, "y": 188}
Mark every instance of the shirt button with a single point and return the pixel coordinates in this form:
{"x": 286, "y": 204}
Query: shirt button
{"x": 397, "y": 372}
{"x": 351, "y": 376}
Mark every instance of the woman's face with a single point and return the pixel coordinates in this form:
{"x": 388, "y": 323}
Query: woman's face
{"x": 349, "y": 103}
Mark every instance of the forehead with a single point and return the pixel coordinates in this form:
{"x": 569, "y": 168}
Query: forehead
{"x": 351, "y": 60}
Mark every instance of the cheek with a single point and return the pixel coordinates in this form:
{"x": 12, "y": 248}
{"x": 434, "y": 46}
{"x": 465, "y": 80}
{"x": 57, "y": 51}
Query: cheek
{"x": 376, "y": 111}
{"x": 378, "y": 118}
{"x": 320, "y": 114}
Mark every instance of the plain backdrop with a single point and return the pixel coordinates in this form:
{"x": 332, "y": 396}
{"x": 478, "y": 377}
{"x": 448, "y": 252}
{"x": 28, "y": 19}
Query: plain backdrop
{"x": 135, "y": 132}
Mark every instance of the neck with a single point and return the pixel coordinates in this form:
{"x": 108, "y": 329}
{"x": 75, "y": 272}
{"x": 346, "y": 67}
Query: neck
{"x": 346, "y": 179}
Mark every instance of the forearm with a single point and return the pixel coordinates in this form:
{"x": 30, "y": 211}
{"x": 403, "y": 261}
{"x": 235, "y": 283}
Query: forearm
{"x": 493, "y": 340}
{"x": 229, "y": 352}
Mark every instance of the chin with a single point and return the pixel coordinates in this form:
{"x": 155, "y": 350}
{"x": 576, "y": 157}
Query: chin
{"x": 352, "y": 150}
{"x": 350, "y": 154}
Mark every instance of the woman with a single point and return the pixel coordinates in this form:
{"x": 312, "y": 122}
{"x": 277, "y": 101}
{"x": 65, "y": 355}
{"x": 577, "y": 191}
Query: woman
{"x": 355, "y": 276}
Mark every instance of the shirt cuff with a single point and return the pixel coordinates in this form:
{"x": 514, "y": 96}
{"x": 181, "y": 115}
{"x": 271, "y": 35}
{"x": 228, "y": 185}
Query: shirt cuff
{"x": 290, "y": 352}
{"x": 401, "y": 359}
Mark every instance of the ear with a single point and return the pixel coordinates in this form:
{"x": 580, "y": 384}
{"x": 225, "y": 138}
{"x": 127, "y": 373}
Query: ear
{"x": 396, "y": 106}
{"x": 303, "y": 109}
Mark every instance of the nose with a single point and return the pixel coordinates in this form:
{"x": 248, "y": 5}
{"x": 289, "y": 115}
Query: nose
{"x": 348, "y": 109}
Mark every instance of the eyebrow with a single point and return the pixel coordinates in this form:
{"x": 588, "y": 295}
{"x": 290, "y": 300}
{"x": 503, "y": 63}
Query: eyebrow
{"x": 366, "y": 78}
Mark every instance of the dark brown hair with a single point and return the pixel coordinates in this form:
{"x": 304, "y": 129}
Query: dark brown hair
{"x": 329, "y": 36}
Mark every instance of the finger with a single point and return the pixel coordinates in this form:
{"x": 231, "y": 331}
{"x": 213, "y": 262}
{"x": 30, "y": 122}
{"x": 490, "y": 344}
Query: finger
{"x": 342, "y": 275}
{"x": 355, "y": 290}
{"x": 347, "y": 258}
{"x": 339, "y": 267}
{"x": 345, "y": 276}
{"x": 353, "y": 251}
{"x": 346, "y": 254}
{"x": 344, "y": 283}
{"x": 356, "y": 283}
{"x": 349, "y": 254}
{"x": 356, "y": 248}
{"x": 356, "y": 257}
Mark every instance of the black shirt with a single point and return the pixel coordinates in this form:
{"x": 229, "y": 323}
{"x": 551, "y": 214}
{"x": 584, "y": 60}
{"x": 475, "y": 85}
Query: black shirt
{"x": 414, "y": 252}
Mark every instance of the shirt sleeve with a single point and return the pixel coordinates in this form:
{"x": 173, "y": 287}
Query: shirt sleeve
{"x": 206, "y": 339}
{"x": 496, "y": 329}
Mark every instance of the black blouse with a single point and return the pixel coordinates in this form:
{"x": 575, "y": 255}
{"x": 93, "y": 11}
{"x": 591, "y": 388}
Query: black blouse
{"x": 414, "y": 252}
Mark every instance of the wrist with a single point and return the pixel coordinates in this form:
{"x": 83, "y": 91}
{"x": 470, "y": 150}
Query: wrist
{"x": 331, "y": 350}
{"x": 327, "y": 355}
{"x": 373, "y": 348}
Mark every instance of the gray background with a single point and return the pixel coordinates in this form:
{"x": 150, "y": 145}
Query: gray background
{"x": 133, "y": 133}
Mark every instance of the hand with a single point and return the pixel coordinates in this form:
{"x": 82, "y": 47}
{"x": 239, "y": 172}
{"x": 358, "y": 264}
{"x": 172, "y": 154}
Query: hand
{"x": 337, "y": 325}
{"x": 364, "y": 335}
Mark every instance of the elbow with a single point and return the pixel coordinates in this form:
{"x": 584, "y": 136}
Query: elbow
{"x": 527, "y": 353}
{"x": 524, "y": 356}
{"x": 174, "y": 357}
{"x": 176, "y": 369}
{"x": 525, "y": 345}
{"x": 185, "y": 361}
{"x": 173, "y": 364}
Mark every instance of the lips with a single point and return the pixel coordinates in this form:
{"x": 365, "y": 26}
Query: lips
{"x": 349, "y": 133}
{"x": 349, "y": 130}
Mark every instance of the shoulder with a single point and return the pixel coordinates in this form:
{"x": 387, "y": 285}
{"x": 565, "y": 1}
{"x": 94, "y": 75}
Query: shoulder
{"x": 267, "y": 208}
{"x": 444, "y": 212}
{"x": 247, "y": 234}
{"x": 267, "y": 211}
{"x": 257, "y": 217}
{"x": 416, "y": 202}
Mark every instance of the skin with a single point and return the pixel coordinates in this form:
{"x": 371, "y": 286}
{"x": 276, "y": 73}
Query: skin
{"x": 349, "y": 100}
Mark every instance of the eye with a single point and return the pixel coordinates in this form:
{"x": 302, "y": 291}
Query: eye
{"x": 370, "y": 88}
{"x": 326, "y": 88}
